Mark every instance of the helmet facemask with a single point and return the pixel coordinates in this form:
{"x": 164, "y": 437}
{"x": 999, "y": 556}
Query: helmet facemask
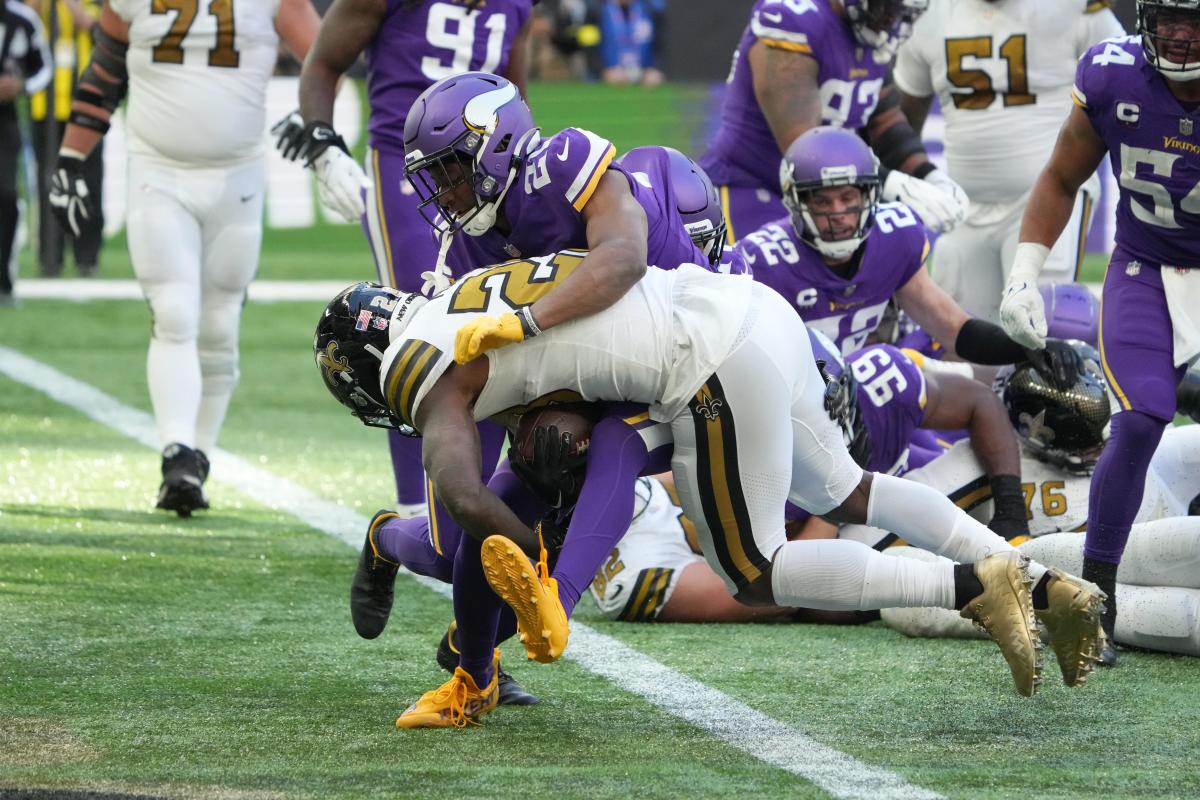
{"x": 816, "y": 212}
{"x": 709, "y": 238}
{"x": 883, "y": 25}
{"x": 1170, "y": 32}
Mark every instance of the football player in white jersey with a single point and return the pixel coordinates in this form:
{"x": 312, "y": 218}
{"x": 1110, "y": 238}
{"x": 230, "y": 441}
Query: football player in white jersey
{"x": 1002, "y": 71}
{"x": 1158, "y": 580}
{"x": 197, "y": 80}
{"x": 702, "y": 350}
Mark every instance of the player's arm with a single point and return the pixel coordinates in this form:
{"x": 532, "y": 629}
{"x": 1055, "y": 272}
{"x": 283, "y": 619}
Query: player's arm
{"x": 616, "y": 260}
{"x": 1077, "y": 153}
{"x": 915, "y": 110}
{"x": 954, "y": 402}
{"x": 518, "y": 59}
{"x": 451, "y": 455}
{"x": 785, "y": 85}
{"x": 297, "y": 24}
{"x": 98, "y": 93}
{"x": 977, "y": 340}
{"x": 347, "y": 29}
{"x": 908, "y": 176}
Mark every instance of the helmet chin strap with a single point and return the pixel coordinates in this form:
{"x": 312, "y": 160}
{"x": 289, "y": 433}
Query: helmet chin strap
{"x": 485, "y": 218}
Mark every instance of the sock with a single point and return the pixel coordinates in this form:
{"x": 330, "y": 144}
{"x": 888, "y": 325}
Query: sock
{"x": 616, "y": 456}
{"x": 406, "y": 542}
{"x": 844, "y": 575}
{"x": 406, "y": 468}
{"x": 1118, "y": 484}
{"x": 173, "y": 373}
{"x": 1104, "y": 575}
{"x": 966, "y": 585}
{"x": 1041, "y": 597}
{"x": 477, "y": 612}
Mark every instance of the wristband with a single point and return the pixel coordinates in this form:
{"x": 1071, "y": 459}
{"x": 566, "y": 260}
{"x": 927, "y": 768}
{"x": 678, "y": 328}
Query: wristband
{"x": 1028, "y": 262}
{"x": 529, "y": 326}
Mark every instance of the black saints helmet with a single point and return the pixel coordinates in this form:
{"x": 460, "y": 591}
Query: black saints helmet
{"x": 1066, "y": 428}
{"x": 352, "y": 335}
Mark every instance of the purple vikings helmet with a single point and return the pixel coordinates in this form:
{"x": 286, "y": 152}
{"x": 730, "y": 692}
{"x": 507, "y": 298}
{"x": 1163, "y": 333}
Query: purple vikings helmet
{"x": 841, "y": 396}
{"x": 352, "y": 334}
{"x": 1170, "y": 31}
{"x": 695, "y": 196}
{"x": 1072, "y": 312}
{"x": 823, "y": 157}
{"x": 883, "y": 25}
{"x": 474, "y": 128}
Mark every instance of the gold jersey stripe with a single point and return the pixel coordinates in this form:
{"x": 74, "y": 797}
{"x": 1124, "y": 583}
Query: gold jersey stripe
{"x": 590, "y": 189}
{"x": 793, "y": 47}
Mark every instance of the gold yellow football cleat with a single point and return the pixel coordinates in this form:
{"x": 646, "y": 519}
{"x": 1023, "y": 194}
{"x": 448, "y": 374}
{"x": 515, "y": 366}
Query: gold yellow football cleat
{"x": 1005, "y": 612}
{"x": 456, "y": 703}
{"x": 533, "y": 595}
{"x": 1072, "y": 622}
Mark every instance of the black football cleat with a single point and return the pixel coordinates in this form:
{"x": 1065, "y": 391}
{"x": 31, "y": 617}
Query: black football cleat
{"x": 373, "y": 588}
{"x": 182, "y": 488}
{"x": 512, "y": 693}
{"x": 1108, "y": 655}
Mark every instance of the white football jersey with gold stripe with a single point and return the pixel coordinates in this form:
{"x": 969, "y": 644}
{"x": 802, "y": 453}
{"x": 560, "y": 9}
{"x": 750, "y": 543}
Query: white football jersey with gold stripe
{"x": 198, "y": 74}
{"x": 1002, "y": 73}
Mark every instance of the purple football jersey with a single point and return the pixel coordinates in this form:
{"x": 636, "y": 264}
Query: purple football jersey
{"x": 543, "y": 205}
{"x": 891, "y": 403}
{"x": 846, "y": 310}
{"x": 418, "y": 44}
{"x": 744, "y": 152}
{"x": 1154, "y": 147}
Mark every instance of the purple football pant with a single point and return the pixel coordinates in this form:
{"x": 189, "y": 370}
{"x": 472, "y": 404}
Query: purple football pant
{"x": 748, "y": 208}
{"x": 403, "y": 246}
{"x": 1137, "y": 351}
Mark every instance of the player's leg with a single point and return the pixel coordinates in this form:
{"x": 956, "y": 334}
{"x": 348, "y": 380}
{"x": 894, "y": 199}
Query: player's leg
{"x": 165, "y": 248}
{"x": 1162, "y": 618}
{"x": 1137, "y": 354}
{"x": 1162, "y": 552}
{"x": 967, "y": 263}
{"x": 1176, "y": 468}
{"x": 232, "y": 240}
{"x": 403, "y": 247}
{"x": 748, "y": 208}
{"x": 10, "y": 150}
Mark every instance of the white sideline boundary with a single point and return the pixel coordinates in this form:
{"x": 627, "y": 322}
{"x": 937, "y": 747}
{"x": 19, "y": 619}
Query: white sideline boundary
{"x": 703, "y": 707}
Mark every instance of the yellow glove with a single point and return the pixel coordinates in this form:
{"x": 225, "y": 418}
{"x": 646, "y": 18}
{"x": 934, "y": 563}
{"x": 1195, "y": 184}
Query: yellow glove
{"x": 486, "y": 333}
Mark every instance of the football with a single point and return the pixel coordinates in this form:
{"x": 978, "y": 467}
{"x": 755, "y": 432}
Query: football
{"x": 575, "y": 419}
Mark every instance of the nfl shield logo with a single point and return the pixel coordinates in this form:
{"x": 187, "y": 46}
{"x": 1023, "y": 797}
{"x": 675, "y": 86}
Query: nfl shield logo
{"x": 512, "y": 250}
{"x": 1186, "y": 126}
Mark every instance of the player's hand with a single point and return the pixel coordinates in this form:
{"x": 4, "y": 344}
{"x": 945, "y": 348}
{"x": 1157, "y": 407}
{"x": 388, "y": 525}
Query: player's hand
{"x": 289, "y": 133}
{"x": 341, "y": 183}
{"x": 437, "y": 279}
{"x": 69, "y": 196}
{"x": 1023, "y": 314}
{"x": 486, "y": 333}
{"x": 938, "y": 201}
{"x": 1058, "y": 362}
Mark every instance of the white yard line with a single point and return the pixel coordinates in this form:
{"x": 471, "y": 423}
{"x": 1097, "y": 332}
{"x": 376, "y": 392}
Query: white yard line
{"x": 706, "y": 708}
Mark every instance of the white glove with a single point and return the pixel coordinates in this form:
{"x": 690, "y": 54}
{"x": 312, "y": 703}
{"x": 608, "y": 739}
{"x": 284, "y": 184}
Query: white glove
{"x": 1022, "y": 310}
{"x": 938, "y": 201}
{"x": 340, "y": 183}
{"x": 436, "y": 280}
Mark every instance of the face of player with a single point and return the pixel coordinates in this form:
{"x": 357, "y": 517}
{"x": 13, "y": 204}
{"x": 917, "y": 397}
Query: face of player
{"x": 836, "y": 211}
{"x": 455, "y": 194}
{"x": 1176, "y": 29}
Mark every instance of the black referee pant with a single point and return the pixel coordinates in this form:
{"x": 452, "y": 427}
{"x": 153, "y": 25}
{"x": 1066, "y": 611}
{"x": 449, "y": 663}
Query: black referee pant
{"x": 10, "y": 153}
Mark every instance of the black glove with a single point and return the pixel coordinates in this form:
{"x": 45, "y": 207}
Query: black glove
{"x": 289, "y": 132}
{"x": 1008, "y": 503}
{"x": 552, "y": 528}
{"x": 69, "y": 196}
{"x": 316, "y": 138}
{"x": 552, "y": 474}
{"x": 1059, "y": 363}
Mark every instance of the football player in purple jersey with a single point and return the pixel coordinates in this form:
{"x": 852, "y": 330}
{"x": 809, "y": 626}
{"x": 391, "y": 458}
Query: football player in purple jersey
{"x": 803, "y": 63}
{"x": 1137, "y": 99}
{"x": 409, "y": 45}
{"x": 495, "y": 189}
{"x": 841, "y": 255}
